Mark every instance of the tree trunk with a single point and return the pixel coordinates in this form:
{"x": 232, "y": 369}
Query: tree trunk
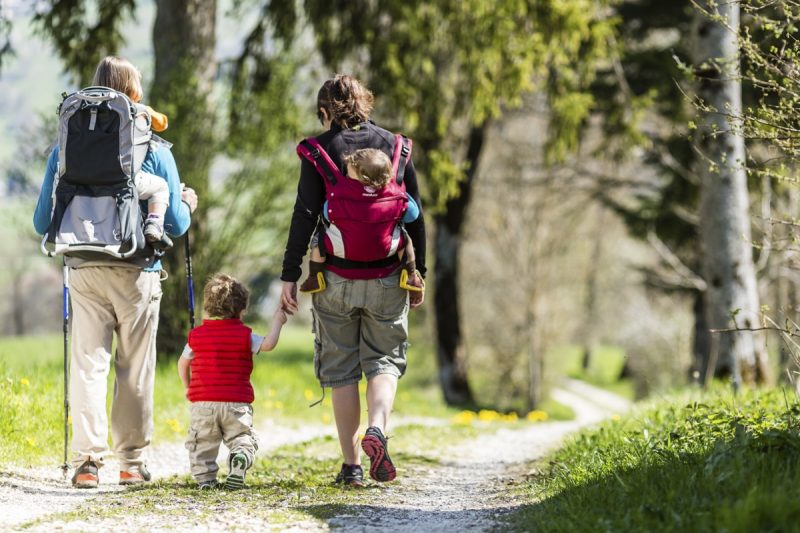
{"x": 701, "y": 343}
{"x": 185, "y": 68}
{"x": 590, "y": 302}
{"x": 732, "y": 297}
{"x": 450, "y": 343}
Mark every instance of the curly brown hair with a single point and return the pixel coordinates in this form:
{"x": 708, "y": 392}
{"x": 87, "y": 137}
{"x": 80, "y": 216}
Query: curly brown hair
{"x": 346, "y": 100}
{"x": 371, "y": 167}
{"x": 225, "y": 297}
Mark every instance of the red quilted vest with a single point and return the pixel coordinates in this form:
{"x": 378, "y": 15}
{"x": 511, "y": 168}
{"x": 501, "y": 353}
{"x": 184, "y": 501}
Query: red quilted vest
{"x": 222, "y": 362}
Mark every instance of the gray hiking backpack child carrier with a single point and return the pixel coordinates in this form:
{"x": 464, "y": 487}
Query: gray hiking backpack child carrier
{"x": 103, "y": 139}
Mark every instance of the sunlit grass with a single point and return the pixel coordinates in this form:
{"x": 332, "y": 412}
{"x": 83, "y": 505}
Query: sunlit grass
{"x": 605, "y": 367}
{"x": 688, "y": 462}
{"x": 31, "y": 384}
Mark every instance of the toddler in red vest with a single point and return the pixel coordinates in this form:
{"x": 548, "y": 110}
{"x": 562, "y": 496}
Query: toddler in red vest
{"x": 215, "y": 369}
{"x": 373, "y": 169}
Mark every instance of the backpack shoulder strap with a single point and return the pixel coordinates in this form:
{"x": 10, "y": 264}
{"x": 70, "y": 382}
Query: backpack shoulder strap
{"x": 402, "y": 154}
{"x": 311, "y": 150}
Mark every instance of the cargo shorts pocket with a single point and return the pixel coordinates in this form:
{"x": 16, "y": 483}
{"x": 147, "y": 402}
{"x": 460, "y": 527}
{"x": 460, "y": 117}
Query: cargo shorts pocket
{"x": 393, "y": 299}
{"x": 191, "y": 440}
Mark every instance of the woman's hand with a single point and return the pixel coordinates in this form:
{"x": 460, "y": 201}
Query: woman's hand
{"x": 289, "y": 297}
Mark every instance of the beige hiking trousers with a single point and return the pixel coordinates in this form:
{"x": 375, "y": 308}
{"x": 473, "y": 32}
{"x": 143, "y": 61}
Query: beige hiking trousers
{"x": 213, "y": 423}
{"x": 106, "y": 300}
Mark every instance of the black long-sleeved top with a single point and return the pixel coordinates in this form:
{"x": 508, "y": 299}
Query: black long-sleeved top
{"x": 311, "y": 192}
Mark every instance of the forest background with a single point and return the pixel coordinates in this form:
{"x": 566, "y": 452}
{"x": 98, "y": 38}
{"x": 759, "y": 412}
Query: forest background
{"x": 565, "y": 149}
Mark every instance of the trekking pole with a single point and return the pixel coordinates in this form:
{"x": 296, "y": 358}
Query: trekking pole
{"x": 65, "y": 301}
{"x": 189, "y": 281}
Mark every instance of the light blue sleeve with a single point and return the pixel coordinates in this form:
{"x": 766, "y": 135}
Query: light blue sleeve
{"x": 412, "y": 211}
{"x": 161, "y": 163}
{"x": 44, "y": 207}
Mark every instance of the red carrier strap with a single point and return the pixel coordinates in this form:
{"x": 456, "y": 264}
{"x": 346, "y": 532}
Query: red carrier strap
{"x": 311, "y": 150}
{"x": 402, "y": 154}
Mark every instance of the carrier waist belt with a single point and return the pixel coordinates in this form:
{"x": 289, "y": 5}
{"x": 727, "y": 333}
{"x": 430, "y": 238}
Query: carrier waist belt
{"x": 339, "y": 262}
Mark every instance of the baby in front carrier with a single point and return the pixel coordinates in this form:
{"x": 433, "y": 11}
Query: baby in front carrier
{"x": 118, "y": 72}
{"x": 215, "y": 370}
{"x": 372, "y": 168}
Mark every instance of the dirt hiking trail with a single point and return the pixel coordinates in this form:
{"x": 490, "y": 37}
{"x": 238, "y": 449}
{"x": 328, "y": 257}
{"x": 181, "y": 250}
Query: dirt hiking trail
{"x": 468, "y": 490}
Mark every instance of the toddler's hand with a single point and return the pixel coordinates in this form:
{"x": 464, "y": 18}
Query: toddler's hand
{"x": 280, "y": 316}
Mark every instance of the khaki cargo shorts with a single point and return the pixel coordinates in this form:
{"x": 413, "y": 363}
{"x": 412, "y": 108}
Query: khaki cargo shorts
{"x": 360, "y": 326}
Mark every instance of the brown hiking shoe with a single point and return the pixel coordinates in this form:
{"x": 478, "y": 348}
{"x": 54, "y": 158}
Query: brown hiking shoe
{"x": 135, "y": 475}
{"x": 86, "y": 476}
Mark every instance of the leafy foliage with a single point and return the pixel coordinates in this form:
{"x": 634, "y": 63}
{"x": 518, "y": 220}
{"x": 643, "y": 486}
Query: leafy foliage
{"x": 79, "y": 40}
{"x": 442, "y": 66}
{"x": 717, "y": 463}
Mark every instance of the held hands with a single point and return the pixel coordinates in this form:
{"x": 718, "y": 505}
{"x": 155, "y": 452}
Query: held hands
{"x": 289, "y": 297}
{"x": 280, "y": 316}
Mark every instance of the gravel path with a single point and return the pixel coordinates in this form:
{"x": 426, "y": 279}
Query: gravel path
{"x": 466, "y": 491}
{"x": 30, "y": 493}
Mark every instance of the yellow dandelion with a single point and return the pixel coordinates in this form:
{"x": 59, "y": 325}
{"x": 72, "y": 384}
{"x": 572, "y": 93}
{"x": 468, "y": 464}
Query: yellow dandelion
{"x": 326, "y": 402}
{"x": 616, "y": 418}
{"x": 487, "y": 415}
{"x": 278, "y": 405}
{"x": 271, "y": 393}
{"x": 464, "y": 418}
{"x": 309, "y": 394}
{"x": 510, "y": 417}
{"x": 175, "y": 425}
{"x": 362, "y": 387}
{"x": 536, "y": 416}
{"x": 268, "y": 404}
{"x": 30, "y": 441}
{"x": 24, "y": 381}
{"x": 326, "y": 418}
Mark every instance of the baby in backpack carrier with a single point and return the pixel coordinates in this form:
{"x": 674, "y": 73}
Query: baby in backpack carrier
{"x": 372, "y": 168}
{"x": 117, "y": 72}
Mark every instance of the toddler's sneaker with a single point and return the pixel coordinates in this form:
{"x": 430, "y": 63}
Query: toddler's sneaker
{"x": 374, "y": 445}
{"x": 350, "y": 476}
{"x": 238, "y": 469}
{"x": 208, "y": 485}
{"x": 134, "y": 475}
{"x": 155, "y": 235}
{"x": 86, "y": 476}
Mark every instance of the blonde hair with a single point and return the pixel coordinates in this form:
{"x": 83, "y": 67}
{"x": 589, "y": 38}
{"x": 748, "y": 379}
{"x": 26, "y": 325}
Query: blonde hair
{"x": 346, "y": 100}
{"x": 225, "y": 297}
{"x": 119, "y": 74}
{"x": 371, "y": 166}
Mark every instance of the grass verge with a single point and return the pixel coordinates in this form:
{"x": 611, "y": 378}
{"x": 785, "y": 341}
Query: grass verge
{"x": 31, "y": 385}
{"x": 719, "y": 463}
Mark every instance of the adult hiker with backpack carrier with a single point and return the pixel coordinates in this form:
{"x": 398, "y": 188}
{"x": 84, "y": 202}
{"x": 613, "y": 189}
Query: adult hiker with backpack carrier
{"x": 361, "y": 316}
{"x": 89, "y": 211}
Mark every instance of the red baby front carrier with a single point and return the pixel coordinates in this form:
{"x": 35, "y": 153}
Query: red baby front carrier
{"x": 363, "y": 230}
